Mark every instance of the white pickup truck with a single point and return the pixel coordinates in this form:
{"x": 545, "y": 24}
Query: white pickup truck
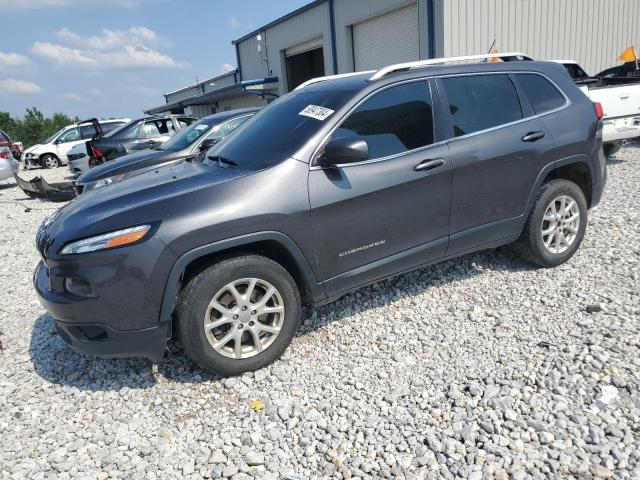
{"x": 620, "y": 102}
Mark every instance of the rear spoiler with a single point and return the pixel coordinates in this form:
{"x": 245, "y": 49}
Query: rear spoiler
{"x": 96, "y": 125}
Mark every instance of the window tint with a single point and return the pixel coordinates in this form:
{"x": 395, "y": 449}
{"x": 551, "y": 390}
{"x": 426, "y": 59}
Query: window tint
{"x": 278, "y": 130}
{"x": 87, "y": 131}
{"x": 110, "y": 126}
{"x": 540, "y": 92}
{"x": 70, "y": 135}
{"x": 393, "y": 121}
{"x": 478, "y": 102}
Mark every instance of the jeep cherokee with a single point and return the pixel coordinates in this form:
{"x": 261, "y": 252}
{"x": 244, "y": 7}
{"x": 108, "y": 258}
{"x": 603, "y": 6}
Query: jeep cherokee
{"x": 338, "y": 184}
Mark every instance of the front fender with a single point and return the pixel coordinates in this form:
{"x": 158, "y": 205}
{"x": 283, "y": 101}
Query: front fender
{"x": 315, "y": 289}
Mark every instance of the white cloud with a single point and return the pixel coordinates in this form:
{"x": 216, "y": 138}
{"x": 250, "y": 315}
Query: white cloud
{"x": 39, "y": 4}
{"x": 134, "y": 47}
{"x": 74, "y": 97}
{"x": 13, "y": 60}
{"x": 11, "y": 85}
{"x": 226, "y": 67}
{"x": 235, "y": 24}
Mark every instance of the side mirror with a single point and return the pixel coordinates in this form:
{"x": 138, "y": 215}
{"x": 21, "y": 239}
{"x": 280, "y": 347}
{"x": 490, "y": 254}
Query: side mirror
{"x": 207, "y": 144}
{"x": 344, "y": 150}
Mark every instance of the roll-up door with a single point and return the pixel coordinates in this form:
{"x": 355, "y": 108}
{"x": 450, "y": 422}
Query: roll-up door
{"x": 304, "y": 47}
{"x": 387, "y": 39}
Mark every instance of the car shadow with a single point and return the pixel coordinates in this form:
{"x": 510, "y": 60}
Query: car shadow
{"x": 58, "y": 364}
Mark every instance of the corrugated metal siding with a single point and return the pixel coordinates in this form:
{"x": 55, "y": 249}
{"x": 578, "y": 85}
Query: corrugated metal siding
{"x": 310, "y": 24}
{"x": 243, "y": 101}
{"x": 592, "y": 32}
{"x": 182, "y": 94}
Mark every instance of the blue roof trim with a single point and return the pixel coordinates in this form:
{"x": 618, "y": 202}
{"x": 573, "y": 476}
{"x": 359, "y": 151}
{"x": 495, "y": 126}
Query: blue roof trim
{"x": 300, "y": 10}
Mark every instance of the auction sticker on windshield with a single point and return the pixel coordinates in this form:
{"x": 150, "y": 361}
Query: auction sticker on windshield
{"x": 314, "y": 111}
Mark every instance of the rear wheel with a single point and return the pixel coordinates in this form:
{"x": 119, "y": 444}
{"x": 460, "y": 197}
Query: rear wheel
{"x": 238, "y": 315}
{"x": 556, "y": 224}
{"x": 49, "y": 161}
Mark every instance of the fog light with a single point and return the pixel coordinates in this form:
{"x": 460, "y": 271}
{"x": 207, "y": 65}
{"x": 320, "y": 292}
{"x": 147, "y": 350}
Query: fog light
{"x": 78, "y": 287}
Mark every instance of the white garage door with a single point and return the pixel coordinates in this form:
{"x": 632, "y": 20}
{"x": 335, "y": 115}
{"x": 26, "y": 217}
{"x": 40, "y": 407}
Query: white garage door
{"x": 387, "y": 39}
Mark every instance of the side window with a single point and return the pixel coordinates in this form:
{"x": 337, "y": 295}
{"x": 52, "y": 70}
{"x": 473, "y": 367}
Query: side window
{"x": 540, "y": 92}
{"x": 87, "y": 131}
{"x": 393, "y": 121}
{"x": 70, "y": 135}
{"x": 150, "y": 130}
{"x": 185, "y": 122}
{"x": 107, "y": 127}
{"x": 129, "y": 133}
{"x": 478, "y": 102}
{"x": 226, "y": 128}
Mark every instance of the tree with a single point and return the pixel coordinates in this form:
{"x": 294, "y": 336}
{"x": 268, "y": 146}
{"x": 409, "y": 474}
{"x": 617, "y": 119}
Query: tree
{"x": 33, "y": 127}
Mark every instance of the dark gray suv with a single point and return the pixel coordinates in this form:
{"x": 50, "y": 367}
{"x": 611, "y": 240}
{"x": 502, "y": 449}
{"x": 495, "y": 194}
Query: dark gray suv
{"x": 336, "y": 185}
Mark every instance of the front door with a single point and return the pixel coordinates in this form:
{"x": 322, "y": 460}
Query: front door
{"x": 380, "y": 216}
{"x": 499, "y": 147}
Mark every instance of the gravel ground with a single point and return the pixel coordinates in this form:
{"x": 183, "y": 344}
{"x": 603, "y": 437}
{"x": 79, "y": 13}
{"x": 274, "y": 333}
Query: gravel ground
{"x": 480, "y": 367}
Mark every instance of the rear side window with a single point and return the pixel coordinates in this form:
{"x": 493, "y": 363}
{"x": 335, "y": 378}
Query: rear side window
{"x": 540, "y": 92}
{"x": 393, "y": 121}
{"x": 479, "y": 102}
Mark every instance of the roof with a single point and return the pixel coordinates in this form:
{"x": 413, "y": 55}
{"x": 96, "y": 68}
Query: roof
{"x": 358, "y": 82}
{"x": 208, "y": 80}
{"x": 300, "y": 10}
{"x": 213, "y": 95}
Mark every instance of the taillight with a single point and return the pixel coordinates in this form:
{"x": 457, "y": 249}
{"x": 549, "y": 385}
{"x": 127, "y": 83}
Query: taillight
{"x": 599, "y": 111}
{"x": 4, "y": 155}
{"x": 96, "y": 153}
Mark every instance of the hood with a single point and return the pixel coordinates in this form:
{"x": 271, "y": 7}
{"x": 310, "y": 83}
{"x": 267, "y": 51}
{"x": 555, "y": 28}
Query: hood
{"x": 33, "y": 148}
{"x": 125, "y": 164}
{"x": 122, "y": 204}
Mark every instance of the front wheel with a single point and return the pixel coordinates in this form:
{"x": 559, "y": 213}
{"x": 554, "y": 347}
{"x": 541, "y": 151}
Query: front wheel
{"x": 238, "y": 315}
{"x": 49, "y": 161}
{"x": 556, "y": 225}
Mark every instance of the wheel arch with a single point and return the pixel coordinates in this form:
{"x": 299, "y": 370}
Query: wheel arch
{"x": 273, "y": 245}
{"x": 576, "y": 169}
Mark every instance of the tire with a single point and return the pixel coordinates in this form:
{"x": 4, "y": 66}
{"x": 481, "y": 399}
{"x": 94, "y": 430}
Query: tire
{"x": 49, "y": 161}
{"x": 531, "y": 244}
{"x": 194, "y": 309}
{"x": 611, "y": 148}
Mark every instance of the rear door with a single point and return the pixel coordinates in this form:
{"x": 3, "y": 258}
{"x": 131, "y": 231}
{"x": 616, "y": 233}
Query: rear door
{"x": 499, "y": 146}
{"x": 383, "y": 215}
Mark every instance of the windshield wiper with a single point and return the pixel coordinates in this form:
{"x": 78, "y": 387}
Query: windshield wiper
{"x": 223, "y": 160}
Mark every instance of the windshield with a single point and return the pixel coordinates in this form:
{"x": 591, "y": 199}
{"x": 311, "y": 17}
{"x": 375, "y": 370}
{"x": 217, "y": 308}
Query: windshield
{"x": 53, "y": 137}
{"x": 279, "y": 130}
{"x": 187, "y": 136}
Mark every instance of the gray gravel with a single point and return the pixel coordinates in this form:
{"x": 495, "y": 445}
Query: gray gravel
{"x": 480, "y": 367}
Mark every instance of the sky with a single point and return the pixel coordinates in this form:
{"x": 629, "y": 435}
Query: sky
{"x": 114, "y": 58}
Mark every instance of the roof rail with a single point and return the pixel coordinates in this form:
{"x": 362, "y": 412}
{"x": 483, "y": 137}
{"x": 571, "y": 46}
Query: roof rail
{"x": 510, "y": 56}
{"x": 330, "y": 77}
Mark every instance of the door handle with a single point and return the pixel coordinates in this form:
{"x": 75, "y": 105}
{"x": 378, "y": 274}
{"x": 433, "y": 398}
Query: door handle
{"x": 533, "y": 136}
{"x": 429, "y": 164}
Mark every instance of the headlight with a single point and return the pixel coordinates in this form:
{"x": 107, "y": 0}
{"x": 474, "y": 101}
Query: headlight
{"x": 107, "y": 241}
{"x": 102, "y": 182}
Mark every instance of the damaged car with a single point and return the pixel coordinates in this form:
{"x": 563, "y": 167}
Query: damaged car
{"x": 139, "y": 134}
{"x": 188, "y": 144}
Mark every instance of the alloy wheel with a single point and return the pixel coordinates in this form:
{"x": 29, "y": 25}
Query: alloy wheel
{"x": 244, "y": 318}
{"x": 560, "y": 224}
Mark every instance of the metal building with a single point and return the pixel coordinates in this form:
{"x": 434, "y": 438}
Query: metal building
{"x": 339, "y": 36}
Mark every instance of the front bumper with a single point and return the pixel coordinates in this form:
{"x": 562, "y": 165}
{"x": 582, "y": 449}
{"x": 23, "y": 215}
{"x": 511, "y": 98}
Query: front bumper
{"x": 122, "y": 316}
{"x": 103, "y": 341}
{"x": 79, "y": 166}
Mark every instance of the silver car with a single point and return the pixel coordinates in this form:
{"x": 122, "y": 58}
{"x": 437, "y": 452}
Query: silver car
{"x": 8, "y": 164}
